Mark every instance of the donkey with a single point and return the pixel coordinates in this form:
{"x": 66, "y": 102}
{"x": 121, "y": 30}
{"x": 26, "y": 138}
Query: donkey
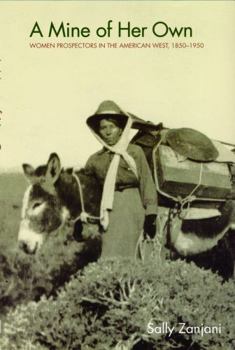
{"x": 206, "y": 242}
{"x": 53, "y": 197}
{"x": 56, "y": 196}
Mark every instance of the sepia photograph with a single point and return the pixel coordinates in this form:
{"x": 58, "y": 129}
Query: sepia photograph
{"x": 117, "y": 175}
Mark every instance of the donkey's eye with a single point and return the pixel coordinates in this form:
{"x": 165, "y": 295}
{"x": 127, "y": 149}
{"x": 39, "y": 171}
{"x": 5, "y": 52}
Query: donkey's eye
{"x": 36, "y": 205}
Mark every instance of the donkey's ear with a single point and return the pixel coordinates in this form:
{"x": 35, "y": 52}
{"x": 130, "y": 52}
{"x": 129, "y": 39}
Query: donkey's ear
{"x": 53, "y": 168}
{"x": 28, "y": 171}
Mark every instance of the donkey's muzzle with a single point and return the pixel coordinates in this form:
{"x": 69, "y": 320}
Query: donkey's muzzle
{"x": 26, "y": 249}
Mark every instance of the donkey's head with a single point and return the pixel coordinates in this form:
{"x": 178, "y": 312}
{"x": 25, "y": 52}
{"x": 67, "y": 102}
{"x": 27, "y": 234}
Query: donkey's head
{"x": 42, "y": 210}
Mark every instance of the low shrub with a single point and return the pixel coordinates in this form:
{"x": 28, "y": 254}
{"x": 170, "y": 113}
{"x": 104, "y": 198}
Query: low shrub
{"x": 111, "y": 305}
{"x": 27, "y": 277}
{"x": 14, "y": 327}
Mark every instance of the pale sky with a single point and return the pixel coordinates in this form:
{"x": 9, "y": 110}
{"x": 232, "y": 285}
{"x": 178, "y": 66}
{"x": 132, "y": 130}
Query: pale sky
{"x": 47, "y": 94}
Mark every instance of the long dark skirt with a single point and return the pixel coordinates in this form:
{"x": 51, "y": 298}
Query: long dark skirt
{"x": 126, "y": 222}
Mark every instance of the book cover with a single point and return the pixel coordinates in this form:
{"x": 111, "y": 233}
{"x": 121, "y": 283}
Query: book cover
{"x": 168, "y": 66}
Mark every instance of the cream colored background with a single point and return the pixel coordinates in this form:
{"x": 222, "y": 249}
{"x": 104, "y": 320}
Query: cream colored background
{"x": 47, "y": 94}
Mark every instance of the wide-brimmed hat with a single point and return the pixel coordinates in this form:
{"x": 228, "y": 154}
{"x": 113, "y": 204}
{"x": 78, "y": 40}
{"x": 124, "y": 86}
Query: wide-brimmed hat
{"x": 192, "y": 144}
{"x": 110, "y": 110}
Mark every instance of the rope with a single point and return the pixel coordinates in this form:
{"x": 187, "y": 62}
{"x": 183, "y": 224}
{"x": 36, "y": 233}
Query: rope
{"x": 159, "y": 242}
{"x": 188, "y": 199}
{"x": 155, "y": 245}
{"x": 83, "y": 216}
{"x": 138, "y": 247}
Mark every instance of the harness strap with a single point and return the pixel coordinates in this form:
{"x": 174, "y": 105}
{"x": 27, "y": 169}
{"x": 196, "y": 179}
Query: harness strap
{"x": 83, "y": 216}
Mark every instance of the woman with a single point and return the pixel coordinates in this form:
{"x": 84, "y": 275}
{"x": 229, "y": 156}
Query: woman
{"x": 129, "y": 201}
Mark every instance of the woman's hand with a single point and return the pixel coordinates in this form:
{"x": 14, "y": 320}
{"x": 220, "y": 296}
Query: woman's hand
{"x": 150, "y": 227}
